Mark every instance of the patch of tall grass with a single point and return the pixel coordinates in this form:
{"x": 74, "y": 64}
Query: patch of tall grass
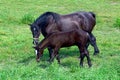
{"x": 117, "y": 23}
{"x": 27, "y": 19}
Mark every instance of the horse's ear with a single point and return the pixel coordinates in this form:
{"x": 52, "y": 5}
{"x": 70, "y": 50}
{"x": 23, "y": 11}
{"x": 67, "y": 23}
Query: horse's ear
{"x": 30, "y": 24}
{"x": 34, "y": 47}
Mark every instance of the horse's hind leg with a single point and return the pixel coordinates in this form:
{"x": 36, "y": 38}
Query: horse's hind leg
{"x": 88, "y": 43}
{"x": 93, "y": 43}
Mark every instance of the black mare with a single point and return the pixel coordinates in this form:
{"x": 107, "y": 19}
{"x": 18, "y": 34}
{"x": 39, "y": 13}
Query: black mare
{"x": 50, "y": 22}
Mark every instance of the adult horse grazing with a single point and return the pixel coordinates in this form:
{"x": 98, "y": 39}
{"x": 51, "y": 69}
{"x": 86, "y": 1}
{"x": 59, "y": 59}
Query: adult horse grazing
{"x": 65, "y": 39}
{"x": 50, "y": 22}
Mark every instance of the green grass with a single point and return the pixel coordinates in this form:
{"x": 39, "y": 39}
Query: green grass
{"x": 17, "y": 58}
{"x": 27, "y": 19}
{"x": 117, "y": 23}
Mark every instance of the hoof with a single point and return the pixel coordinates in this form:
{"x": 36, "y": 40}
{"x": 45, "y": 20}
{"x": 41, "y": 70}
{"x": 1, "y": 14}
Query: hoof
{"x": 81, "y": 65}
{"x": 96, "y": 52}
{"x": 90, "y": 65}
{"x": 58, "y": 62}
{"x": 38, "y": 60}
{"x": 51, "y": 60}
{"x": 48, "y": 60}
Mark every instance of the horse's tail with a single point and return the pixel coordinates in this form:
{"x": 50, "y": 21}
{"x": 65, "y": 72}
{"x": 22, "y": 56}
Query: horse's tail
{"x": 93, "y": 14}
{"x": 89, "y": 38}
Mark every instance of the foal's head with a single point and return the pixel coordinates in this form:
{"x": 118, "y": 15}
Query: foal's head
{"x": 39, "y": 53}
{"x": 35, "y": 32}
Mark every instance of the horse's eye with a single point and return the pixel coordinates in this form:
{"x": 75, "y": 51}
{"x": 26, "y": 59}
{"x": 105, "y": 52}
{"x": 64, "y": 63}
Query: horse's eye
{"x": 35, "y": 30}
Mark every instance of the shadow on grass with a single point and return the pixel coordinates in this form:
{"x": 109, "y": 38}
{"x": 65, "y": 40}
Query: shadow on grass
{"x": 44, "y": 64}
{"x": 70, "y": 61}
{"x": 69, "y": 52}
{"x": 26, "y": 60}
{"x": 64, "y": 54}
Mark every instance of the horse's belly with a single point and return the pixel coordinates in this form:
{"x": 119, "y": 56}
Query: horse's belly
{"x": 71, "y": 25}
{"x": 68, "y": 44}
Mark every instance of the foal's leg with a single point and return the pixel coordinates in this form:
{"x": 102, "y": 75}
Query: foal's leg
{"x": 93, "y": 43}
{"x": 81, "y": 50}
{"x": 55, "y": 54}
{"x": 52, "y": 57}
{"x": 50, "y": 52}
{"x": 58, "y": 58}
{"x": 81, "y": 58}
{"x": 88, "y": 58}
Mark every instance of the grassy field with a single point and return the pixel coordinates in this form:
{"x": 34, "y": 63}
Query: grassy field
{"x": 17, "y": 58}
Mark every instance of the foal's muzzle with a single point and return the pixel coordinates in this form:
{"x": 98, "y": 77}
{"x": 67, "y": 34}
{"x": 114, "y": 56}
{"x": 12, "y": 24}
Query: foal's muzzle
{"x": 35, "y": 41}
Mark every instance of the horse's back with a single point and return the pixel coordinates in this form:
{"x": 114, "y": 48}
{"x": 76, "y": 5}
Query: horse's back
{"x": 83, "y": 20}
{"x": 57, "y": 22}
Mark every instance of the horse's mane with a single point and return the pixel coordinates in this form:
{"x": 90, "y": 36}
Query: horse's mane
{"x": 42, "y": 21}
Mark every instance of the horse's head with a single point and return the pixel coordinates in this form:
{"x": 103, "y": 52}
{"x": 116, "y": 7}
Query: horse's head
{"x": 35, "y": 32}
{"x": 38, "y": 52}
